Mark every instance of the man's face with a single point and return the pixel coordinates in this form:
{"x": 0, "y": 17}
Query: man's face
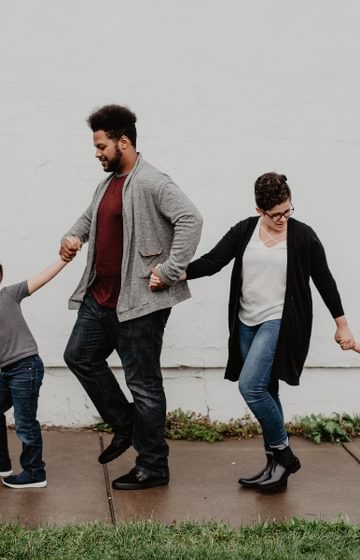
{"x": 107, "y": 152}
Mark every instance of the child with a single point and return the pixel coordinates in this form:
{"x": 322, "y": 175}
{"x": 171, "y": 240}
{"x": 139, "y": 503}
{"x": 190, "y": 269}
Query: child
{"x": 21, "y": 375}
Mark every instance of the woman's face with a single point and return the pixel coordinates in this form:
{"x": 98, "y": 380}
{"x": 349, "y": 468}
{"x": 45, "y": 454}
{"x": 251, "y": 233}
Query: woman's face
{"x": 276, "y": 218}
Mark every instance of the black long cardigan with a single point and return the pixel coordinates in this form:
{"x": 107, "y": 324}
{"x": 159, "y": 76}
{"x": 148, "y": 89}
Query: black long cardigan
{"x": 305, "y": 258}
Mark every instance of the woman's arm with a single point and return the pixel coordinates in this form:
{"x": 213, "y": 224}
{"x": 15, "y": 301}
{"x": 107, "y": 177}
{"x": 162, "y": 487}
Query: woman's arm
{"x": 327, "y": 288}
{"x": 323, "y": 279}
{"x": 45, "y": 276}
{"x": 208, "y": 264}
{"x": 223, "y": 252}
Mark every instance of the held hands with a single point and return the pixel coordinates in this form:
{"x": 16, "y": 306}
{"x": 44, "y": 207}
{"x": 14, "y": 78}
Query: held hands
{"x": 69, "y": 247}
{"x": 344, "y": 337}
{"x": 156, "y": 283}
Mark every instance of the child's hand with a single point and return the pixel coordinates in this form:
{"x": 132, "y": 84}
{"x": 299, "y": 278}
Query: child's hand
{"x": 345, "y": 344}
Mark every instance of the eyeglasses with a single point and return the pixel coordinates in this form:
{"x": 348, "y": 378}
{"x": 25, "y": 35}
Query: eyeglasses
{"x": 278, "y": 215}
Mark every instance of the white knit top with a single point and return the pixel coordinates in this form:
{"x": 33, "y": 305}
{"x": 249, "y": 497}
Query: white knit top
{"x": 263, "y": 281}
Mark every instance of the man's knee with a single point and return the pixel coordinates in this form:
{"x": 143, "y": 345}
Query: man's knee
{"x": 70, "y": 357}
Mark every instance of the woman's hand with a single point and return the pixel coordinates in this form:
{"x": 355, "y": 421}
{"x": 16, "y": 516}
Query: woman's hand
{"x": 343, "y": 334}
{"x": 156, "y": 283}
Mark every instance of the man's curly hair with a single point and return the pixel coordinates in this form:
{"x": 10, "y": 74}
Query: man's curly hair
{"x": 271, "y": 189}
{"x": 115, "y": 121}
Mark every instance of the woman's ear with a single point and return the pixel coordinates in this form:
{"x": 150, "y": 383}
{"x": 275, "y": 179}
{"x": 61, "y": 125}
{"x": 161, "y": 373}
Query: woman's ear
{"x": 259, "y": 211}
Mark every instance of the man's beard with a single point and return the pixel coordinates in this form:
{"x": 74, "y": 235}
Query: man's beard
{"x": 114, "y": 165}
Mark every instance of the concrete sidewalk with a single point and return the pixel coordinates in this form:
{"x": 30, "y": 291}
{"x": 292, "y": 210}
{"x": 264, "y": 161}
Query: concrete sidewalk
{"x": 203, "y": 484}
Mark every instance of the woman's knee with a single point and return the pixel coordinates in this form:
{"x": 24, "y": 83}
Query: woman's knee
{"x": 246, "y": 387}
{"x": 251, "y": 391}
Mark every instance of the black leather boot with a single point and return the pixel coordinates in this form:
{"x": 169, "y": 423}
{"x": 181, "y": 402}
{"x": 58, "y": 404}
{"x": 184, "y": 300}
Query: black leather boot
{"x": 283, "y": 465}
{"x": 264, "y": 474}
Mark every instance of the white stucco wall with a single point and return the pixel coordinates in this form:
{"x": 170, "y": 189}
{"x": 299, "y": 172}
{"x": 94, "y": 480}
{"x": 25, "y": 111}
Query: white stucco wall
{"x": 223, "y": 91}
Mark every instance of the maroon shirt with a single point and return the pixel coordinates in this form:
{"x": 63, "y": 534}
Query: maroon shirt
{"x": 109, "y": 245}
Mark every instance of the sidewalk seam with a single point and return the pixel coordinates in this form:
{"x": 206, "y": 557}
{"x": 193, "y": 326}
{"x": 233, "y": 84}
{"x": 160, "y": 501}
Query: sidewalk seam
{"x": 107, "y": 486}
{"x": 350, "y": 453}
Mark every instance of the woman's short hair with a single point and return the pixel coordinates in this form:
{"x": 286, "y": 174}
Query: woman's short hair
{"x": 271, "y": 189}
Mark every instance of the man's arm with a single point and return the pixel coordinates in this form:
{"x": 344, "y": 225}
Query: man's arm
{"x": 187, "y": 222}
{"x": 78, "y": 234}
{"x": 45, "y": 276}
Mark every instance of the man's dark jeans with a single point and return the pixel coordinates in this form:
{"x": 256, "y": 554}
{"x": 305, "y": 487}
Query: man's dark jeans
{"x": 138, "y": 342}
{"x": 20, "y": 384}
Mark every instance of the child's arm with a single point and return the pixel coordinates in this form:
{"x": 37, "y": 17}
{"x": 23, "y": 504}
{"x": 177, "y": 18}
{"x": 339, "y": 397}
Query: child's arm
{"x": 48, "y": 274}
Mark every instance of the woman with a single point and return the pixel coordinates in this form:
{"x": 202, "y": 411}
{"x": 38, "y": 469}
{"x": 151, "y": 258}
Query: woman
{"x": 270, "y": 312}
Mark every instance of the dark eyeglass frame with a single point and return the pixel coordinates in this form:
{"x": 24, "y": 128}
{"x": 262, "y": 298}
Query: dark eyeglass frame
{"x": 278, "y": 215}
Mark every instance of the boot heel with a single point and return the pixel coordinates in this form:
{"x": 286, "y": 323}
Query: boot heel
{"x": 295, "y": 466}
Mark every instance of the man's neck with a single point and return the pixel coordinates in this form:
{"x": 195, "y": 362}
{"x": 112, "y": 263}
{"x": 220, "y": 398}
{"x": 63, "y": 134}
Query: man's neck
{"x": 128, "y": 164}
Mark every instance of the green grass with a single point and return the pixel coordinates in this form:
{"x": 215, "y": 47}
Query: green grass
{"x": 197, "y": 427}
{"x": 294, "y": 540}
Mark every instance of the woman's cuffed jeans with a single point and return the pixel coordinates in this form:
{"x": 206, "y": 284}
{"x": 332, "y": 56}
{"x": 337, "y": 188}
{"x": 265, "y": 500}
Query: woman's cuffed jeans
{"x": 19, "y": 387}
{"x": 258, "y": 346}
{"x": 138, "y": 342}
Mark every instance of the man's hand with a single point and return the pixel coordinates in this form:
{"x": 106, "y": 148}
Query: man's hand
{"x": 69, "y": 247}
{"x": 155, "y": 282}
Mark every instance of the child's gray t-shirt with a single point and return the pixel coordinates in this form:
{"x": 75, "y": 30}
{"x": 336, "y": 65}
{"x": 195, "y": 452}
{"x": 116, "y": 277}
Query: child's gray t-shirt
{"x": 16, "y": 340}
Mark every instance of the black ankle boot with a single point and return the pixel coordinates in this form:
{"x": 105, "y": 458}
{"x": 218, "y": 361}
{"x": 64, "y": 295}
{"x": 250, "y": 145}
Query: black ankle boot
{"x": 283, "y": 465}
{"x": 264, "y": 474}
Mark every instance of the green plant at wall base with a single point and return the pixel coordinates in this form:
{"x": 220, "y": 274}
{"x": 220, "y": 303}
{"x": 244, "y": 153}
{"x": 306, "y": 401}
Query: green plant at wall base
{"x": 102, "y": 427}
{"x": 192, "y": 426}
{"x": 334, "y": 428}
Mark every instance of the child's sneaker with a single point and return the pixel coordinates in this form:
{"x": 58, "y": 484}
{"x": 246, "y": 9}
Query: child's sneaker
{"x": 5, "y": 469}
{"x": 23, "y": 480}
{"x": 6, "y": 473}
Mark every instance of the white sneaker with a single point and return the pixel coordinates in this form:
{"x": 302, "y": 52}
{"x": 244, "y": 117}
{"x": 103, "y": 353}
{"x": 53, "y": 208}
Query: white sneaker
{"x": 23, "y": 480}
{"x": 6, "y": 473}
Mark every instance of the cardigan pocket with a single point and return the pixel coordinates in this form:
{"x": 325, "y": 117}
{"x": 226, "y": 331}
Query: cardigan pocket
{"x": 148, "y": 259}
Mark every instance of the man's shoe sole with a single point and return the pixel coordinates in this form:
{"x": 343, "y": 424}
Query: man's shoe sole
{"x": 139, "y": 485}
{"x": 41, "y": 484}
{"x": 113, "y": 455}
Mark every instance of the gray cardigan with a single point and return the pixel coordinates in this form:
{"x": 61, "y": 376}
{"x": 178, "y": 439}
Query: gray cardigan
{"x": 160, "y": 226}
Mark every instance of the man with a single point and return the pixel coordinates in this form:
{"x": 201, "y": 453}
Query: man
{"x": 138, "y": 219}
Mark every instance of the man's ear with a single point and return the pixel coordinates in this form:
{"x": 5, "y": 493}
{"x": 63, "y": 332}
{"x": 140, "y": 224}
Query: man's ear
{"x": 123, "y": 143}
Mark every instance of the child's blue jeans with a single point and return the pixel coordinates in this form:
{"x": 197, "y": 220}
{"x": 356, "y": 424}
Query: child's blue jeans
{"x": 20, "y": 383}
